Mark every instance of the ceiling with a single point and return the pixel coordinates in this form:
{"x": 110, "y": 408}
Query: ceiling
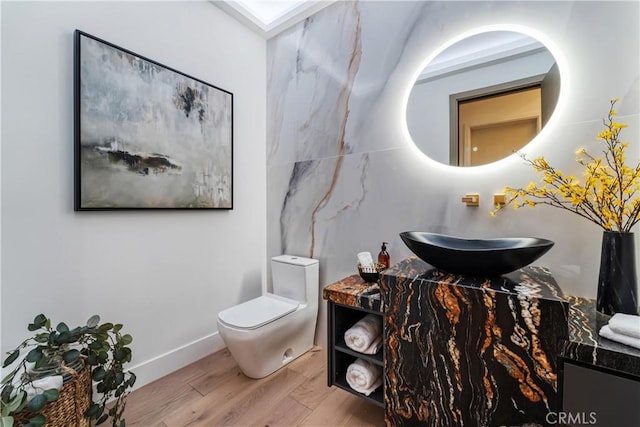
{"x": 481, "y": 50}
{"x": 270, "y": 17}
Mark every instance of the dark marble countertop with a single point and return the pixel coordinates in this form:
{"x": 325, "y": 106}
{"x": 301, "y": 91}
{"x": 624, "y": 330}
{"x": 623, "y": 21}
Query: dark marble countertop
{"x": 352, "y": 291}
{"x": 586, "y": 346}
{"x": 534, "y": 282}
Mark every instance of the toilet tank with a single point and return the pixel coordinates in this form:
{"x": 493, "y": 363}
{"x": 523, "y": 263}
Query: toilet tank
{"x": 296, "y": 278}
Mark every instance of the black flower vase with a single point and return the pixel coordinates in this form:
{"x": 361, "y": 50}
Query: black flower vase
{"x": 617, "y": 284}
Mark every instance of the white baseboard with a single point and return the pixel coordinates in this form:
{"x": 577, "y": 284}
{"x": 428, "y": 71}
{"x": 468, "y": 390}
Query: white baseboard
{"x": 175, "y": 359}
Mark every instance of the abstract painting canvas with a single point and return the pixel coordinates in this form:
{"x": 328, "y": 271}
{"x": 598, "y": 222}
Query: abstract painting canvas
{"x": 148, "y": 136}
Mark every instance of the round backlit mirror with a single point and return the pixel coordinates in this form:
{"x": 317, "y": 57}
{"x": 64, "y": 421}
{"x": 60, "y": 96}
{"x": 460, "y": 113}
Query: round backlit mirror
{"x": 483, "y": 98}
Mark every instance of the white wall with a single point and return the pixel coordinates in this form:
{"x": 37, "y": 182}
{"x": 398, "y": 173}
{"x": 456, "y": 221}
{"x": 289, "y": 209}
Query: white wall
{"x": 164, "y": 274}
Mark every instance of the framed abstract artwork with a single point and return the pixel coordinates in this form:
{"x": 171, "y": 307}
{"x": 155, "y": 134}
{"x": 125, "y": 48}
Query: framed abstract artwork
{"x": 147, "y": 136}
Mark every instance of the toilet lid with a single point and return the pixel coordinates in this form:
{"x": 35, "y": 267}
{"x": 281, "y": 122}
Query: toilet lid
{"x": 257, "y": 312}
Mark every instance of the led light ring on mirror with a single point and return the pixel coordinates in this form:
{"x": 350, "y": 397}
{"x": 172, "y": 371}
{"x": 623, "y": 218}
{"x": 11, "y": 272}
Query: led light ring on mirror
{"x": 546, "y": 129}
{"x": 495, "y": 89}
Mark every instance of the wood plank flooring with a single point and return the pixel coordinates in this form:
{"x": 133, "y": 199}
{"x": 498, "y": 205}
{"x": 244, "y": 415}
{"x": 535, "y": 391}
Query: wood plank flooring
{"x": 214, "y": 392}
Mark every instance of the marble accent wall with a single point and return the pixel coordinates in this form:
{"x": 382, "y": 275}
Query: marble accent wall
{"x": 342, "y": 175}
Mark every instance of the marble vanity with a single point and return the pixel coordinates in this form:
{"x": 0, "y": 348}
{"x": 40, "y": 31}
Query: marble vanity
{"x": 462, "y": 351}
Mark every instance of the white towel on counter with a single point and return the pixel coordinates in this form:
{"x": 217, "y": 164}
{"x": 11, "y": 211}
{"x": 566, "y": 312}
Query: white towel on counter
{"x": 606, "y": 332}
{"x": 625, "y": 324}
{"x": 366, "y": 335}
{"x": 364, "y": 377}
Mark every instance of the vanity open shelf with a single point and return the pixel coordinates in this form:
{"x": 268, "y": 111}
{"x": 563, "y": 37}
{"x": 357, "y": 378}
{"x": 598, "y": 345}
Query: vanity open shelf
{"x": 373, "y": 358}
{"x": 342, "y": 316}
{"x": 341, "y": 362}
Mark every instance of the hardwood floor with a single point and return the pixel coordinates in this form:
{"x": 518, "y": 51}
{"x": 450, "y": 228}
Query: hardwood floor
{"x": 214, "y": 392}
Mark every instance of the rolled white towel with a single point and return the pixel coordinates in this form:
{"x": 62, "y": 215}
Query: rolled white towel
{"x": 361, "y": 336}
{"x": 606, "y": 332}
{"x": 625, "y": 324}
{"x": 375, "y": 346}
{"x": 364, "y": 377}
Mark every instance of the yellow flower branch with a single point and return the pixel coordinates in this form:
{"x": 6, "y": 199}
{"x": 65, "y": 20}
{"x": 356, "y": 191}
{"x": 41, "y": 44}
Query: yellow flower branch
{"x": 609, "y": 195}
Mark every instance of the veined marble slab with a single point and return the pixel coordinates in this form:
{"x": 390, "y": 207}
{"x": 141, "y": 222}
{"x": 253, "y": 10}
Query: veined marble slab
{"x": 586, "y": 346}
{"x": 342, "y": 175}
{"x": 461, "y": 351}
{"x": 352, "y": 291}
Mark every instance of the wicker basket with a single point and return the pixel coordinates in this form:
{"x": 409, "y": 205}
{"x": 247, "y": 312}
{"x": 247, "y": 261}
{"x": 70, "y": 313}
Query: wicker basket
{"x": 68, "y": 410}
{"x": 370, "y": 274}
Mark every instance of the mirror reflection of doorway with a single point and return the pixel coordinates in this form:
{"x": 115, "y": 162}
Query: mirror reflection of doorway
{"x": 489, "y": 124}
{"x": 494, "y": 127}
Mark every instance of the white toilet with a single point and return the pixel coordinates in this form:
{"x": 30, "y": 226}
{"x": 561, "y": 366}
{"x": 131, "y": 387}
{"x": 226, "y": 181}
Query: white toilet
{"x": 266, "y": 333}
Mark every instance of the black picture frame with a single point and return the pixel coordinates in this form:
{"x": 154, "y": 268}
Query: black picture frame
{"x": 147, "y": 136}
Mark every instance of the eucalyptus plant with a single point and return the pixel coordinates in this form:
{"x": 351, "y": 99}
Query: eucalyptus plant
{"x": 103, "y": 349}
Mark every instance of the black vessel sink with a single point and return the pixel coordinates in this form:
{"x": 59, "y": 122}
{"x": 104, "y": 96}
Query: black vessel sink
{"x": 477, "y": 257}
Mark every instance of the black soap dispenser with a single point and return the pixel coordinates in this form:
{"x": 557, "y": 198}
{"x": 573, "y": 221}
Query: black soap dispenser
{"x": 383, "y": 257}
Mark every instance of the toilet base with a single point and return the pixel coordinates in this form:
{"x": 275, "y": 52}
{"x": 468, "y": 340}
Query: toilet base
{"x": 261, "y": 352}
{"x": 257, "y": 372}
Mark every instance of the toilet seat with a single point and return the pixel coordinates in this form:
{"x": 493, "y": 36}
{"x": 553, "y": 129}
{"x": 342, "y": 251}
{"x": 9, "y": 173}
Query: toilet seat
{"x": 257, "y": 312}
